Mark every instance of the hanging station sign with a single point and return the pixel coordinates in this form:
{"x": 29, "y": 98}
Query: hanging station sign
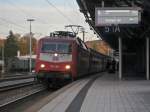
{"x": 106, "y": 16}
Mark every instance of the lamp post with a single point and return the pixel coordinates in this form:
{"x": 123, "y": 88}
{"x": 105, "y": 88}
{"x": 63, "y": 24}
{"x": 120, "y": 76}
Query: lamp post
{"x": 30, "y": 61}
{"x": 3, "y": 64}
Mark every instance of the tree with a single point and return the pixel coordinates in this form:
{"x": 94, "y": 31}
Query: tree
{"x": 94, "y": 46}
{"x": 11, "y": 45}
{"x": 1, "y": 47}
{"x": 24, "y": 45}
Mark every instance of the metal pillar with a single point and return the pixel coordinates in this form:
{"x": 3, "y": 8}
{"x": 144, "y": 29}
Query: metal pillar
{"x": 30, "y": 50}
{"x": 103, "y": 3}
{"x": 120, "y": 58}
{"x": 3, "y": 58}
{"x": 147, "y": 58}
{"x": 83, "y": 31}
{"x": 30, "y": 61}
{"x": 108, "y": 51}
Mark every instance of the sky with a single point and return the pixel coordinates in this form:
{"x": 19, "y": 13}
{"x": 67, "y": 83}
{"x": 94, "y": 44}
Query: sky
{"x": 49, "y": 15}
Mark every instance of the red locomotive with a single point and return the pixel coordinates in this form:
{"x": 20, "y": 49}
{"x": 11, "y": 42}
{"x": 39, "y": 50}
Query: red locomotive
{"x": 62, "y": 56}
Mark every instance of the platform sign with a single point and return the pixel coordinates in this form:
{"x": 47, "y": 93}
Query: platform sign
{"x": 106, "y": 16}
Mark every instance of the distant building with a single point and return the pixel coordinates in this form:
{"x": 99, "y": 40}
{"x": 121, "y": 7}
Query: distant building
{"x": 20, "y": 63}
{"x": 1, "y": 64}
{"x": 100, "y": 46}
{"x": 26, "y": 57}
{"x": 1, "y": 42}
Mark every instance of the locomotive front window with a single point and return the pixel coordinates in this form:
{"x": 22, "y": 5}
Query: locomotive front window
{"x": 64, "y": 48}
{"x": 56, "y": 47}
{"x": 49, "y": 47}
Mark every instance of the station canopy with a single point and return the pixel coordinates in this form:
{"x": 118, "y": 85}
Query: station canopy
{"x": 110, "y": 33}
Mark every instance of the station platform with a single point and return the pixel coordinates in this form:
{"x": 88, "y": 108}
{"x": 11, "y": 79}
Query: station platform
{"x": 103, "y": 93}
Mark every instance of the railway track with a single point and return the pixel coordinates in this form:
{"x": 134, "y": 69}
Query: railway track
{"x": 16, "y": 74}
{"x": 14, "y": 82}
{"x": 14, "y": 93}
{"x": 16, "y": 77}
{"x": 34, "y": 101}
{"x": 29, "y": 99}
{"x": 17, "y": 88}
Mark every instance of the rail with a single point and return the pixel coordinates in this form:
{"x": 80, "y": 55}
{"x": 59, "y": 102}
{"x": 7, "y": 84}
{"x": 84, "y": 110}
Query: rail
{"x": 15, "y": 86}
{"x": 22, "y": 93}
{"x": 17, "y": 77}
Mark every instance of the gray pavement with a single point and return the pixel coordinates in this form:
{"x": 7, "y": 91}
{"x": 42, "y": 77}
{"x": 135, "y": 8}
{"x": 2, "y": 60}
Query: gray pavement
{"x": 61, "y": 103}
{"x": 106, "y": 94}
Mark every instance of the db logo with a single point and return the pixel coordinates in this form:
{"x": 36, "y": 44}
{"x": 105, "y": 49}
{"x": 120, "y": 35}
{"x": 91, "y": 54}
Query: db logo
{"x": 55, "y": 58}
{"x": 54, "y": 66}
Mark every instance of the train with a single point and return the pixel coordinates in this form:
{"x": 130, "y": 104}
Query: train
{"x": 62, "y": 56}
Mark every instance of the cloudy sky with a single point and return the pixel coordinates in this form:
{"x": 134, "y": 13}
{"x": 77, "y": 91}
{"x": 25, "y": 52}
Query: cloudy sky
{"x": 49, "y": 15}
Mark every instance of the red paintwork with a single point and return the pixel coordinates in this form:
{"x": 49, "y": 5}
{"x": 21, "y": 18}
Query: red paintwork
{"x": 57, "y": 66}
{"x": 52, "y": 67}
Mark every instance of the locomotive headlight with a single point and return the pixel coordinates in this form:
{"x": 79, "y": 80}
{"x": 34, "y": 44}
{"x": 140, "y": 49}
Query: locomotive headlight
{"x": 42, "y": 65}
{"x": 67, "y": 67}
{"x": 55, "y": 54}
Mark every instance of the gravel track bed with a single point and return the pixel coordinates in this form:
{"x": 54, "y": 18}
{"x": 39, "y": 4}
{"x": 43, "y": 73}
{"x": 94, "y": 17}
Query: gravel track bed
{"x": 16, "y": 94}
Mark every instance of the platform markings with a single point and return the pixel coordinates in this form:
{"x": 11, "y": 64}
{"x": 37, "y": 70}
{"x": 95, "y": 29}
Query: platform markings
{"x": 76, "y": 104}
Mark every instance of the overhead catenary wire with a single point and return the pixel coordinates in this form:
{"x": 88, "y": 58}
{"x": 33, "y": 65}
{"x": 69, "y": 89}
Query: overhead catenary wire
{"x": 76, "y": 11}
{"x": 6, "y": 26}
{"x": 24, "y": 12}
{"x": 11, "y": 23}
{"x": 20, "y": 9}
{"x": 17, "y": 25}
{"x": 59, "y": 11}
{"x": 71, "y": 5}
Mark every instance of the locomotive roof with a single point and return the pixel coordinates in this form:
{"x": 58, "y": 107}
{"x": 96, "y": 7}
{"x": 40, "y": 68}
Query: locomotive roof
{"x": 63, "y": 33}
{"x": 62, "y": 38}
